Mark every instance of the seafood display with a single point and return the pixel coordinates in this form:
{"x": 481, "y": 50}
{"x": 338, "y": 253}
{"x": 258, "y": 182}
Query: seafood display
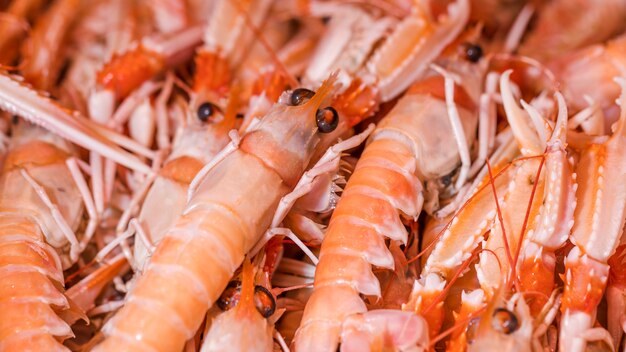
{"x": 321, "y": 175}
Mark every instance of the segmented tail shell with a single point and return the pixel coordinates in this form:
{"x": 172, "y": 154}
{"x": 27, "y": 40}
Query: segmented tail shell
{"x": 30, "y": 277}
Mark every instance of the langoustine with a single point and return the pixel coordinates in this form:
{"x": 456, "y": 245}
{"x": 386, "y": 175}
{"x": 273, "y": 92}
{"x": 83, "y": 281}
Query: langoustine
{"x": 387, "y": 177}
{"x": 141, "y": 321}
{"x": 35, "y": 231}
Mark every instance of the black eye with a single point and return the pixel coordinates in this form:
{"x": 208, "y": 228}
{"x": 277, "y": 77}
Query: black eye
{"x": 264, "y": 301}
{"x": 327, "y": 119}
{"x": 300, "y": 96}
{"x": 473, "y": 52}
{"x": 206, "y": 110}
{"x": 504, "y": 321}
{"x": 230, "y": 296}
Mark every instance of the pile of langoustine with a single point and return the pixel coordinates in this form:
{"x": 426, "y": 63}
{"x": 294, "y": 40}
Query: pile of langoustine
{"x": 256, "y": 175}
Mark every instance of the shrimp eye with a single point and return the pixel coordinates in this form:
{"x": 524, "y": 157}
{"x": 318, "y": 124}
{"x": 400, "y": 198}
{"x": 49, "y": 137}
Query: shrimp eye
{"x": 327, "y": 119}
{"x": 264, "y": 301}
{"x": 230, "y": 296}
{"x": 504, "y": 321}
{"x": 300, "y": 96}
{"x": 206, "y": 110}
{"x": 473, "y": 52}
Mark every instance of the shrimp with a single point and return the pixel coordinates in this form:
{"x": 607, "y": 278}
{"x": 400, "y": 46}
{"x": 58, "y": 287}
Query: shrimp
{"x": 598, "y": 221}
{"x": 386, "y": 183}
{"x": 170, "y": 298}
{"x": 41, "y": 71}
{"x": 41, "y": 208}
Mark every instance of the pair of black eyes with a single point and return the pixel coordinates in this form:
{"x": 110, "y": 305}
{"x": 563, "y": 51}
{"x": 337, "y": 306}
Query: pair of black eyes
{"x": 263, "y": 298}
{"x": 327, "y": 119}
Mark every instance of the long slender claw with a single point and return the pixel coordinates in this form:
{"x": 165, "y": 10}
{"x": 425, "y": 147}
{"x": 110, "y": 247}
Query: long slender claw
{"x": 23, "y": 101}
